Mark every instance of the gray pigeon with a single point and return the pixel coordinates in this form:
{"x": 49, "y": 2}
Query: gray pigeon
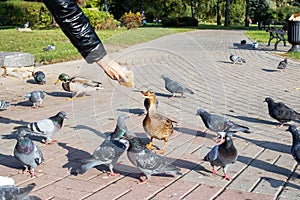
{"x": 236, "y": 59}
{"x": 50, "y": 48}
{"x": 223, "y": 154}
{"x": 47, "y": 127}
{"x": 281, "y": 112}
{"x": 175, "y": 87}
{"x": 10, "y": 192}
{"x": 282, "y": 65}
{"x": 220, "y": 124}
{"x": 295, "y": 150}
{"x": 26, "y": 25}
{"x": 39, "y": 77}
{"x": 110, "y": 150}
{"x": 146, "y": 160}
{"x": 36, "y": 97}
{"x": 28, "y": 153}
{"x": 4, "y": 104}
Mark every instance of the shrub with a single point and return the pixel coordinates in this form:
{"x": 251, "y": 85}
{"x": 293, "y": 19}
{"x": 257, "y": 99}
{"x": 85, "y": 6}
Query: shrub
{"x": 131, "y": 20}
{"x": 19, "y": 12}
{"x": 179, "y": 21}
{"x": 100, "y": 19}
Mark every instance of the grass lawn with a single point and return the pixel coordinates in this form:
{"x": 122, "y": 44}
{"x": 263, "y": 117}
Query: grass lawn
{"x": 262, "y": 36}
{"x": 34, "y": 42}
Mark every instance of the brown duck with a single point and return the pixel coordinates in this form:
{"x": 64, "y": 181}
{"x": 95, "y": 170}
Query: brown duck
{"x": 155, "y": 125}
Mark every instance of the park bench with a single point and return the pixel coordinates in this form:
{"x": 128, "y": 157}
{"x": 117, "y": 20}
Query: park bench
{"x": 278, "y": 34}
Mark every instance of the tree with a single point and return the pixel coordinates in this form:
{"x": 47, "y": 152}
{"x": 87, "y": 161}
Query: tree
{"x": 227, "y": 13}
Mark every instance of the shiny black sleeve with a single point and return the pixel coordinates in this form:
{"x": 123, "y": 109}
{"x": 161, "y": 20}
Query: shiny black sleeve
{"x": 77, "y": 28}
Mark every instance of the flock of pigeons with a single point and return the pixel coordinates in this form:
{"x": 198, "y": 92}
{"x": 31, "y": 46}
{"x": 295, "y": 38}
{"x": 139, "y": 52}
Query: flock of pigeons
{"x": 121, "y": 139}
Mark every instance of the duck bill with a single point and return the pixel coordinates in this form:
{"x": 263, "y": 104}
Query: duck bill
{"x": 145, "y": 94}
{"x": 57, "y": 81}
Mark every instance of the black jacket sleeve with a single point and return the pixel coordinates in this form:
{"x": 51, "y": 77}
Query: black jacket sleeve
{"x": 77, "y": 28}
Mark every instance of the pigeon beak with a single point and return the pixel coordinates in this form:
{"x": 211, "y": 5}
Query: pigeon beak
{"x": 57, "y": 81}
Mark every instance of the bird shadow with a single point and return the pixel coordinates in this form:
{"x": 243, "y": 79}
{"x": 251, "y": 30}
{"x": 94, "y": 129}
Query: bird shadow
{"x": 274, "y": 146}
{"x": 164, "y": 95}
{"x": 59, "y": 94}
{"x": 13, "y": 136}
{"x": 243, "y": 46}
{"x": 227, "y": 62}
{"x": 253, "y": 120}
{"x": 10, "y": 161}
{"x": 5, "y": 120}
{"x": 31, "y": 81}
{"x": 136, "y": 111}
{"x": 95, "y": 131}
{"x": 268, "y": 167}
{"x": 269, "y": 70}
{"x": 275, "y": 183}
{"x": 75, "y": 157}
{"x": 24, "y": 103}
{"x": 192, "y": 132}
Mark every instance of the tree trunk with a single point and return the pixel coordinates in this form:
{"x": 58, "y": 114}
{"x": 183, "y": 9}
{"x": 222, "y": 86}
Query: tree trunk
{"x": 219, "y": 13}
{"x": 227, "y": 13}
{"x": 247, "y": 14}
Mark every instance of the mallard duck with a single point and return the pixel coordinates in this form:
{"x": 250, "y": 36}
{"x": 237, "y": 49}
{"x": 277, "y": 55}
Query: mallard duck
{"x": 155, "y": 125}
{"x": 78, "y": 85}
{"x": 147, "y": 101}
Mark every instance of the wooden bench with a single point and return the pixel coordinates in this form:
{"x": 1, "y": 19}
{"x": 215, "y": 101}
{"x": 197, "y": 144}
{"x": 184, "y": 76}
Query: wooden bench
{"x": 278, "y": 34}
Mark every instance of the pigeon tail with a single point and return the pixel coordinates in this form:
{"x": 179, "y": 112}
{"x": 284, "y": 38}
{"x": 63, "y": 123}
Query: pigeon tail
{"x": 189, "y": 91}
{"x": 173, "y": 170}
{"x": 89, "y": 164}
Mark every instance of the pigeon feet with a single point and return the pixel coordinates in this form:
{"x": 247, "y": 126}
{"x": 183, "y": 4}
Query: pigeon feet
{"x": 113, "y": 174}
{"x": 227, "y": 177}
{"x": 51, "y": 142}
{"x": 143, "y": 179}
{"x": 214, "y": 171}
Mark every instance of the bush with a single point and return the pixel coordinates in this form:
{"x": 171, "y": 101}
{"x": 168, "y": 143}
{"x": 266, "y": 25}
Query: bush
{"x": 131, "y": 20}
{"x": 19, "y": 12}
{"x": 100, "y": 19}
{"x": 179, "y": 21}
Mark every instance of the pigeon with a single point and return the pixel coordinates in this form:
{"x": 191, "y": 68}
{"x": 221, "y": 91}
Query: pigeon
{"x": 295, "y": 150}
{"x": 26, "y": 25}
{"x": 281, "y": 112}
{"x": 282, "y": 65}
{"x": 10, "y": 192}
{"x": 236, "y": 59}
{"x": 28, "y": 153}
{"x": 4, "y": 104}
{"x": 243, "y": 41}
{"x": 36, "y": 97}
{"x": 220, "y": 124}
{"x": 50, "y": 48}
{"x": 6, "y": 181}
{"x": 39, "y": 77}
{"x": 175, "y": 87}
{"x": 146, "y": 160}
{"x": 254, "y": 45}
{"x": 78, "y": 85}
{"x": 47, "y": 127}
{"x": 223, "y": 154}
{"x": 110, "y": 150}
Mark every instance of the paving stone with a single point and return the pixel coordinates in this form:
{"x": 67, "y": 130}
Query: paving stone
{"x": 16, "y": 59}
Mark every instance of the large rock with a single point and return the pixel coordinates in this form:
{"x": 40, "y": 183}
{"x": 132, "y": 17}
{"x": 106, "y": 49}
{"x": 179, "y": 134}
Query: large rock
{"x": 16, "y": 59}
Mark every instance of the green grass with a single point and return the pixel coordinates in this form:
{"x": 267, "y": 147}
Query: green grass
{"x": 262, "y": 36}
{"x": 34, "y": 42}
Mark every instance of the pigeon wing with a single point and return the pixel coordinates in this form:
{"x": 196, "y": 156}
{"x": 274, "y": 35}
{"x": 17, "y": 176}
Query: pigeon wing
{"x": 212, "y": 154}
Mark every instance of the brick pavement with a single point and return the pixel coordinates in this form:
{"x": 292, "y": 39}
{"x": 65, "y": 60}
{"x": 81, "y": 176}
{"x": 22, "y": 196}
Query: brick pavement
{"x": 199, "y": 59}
